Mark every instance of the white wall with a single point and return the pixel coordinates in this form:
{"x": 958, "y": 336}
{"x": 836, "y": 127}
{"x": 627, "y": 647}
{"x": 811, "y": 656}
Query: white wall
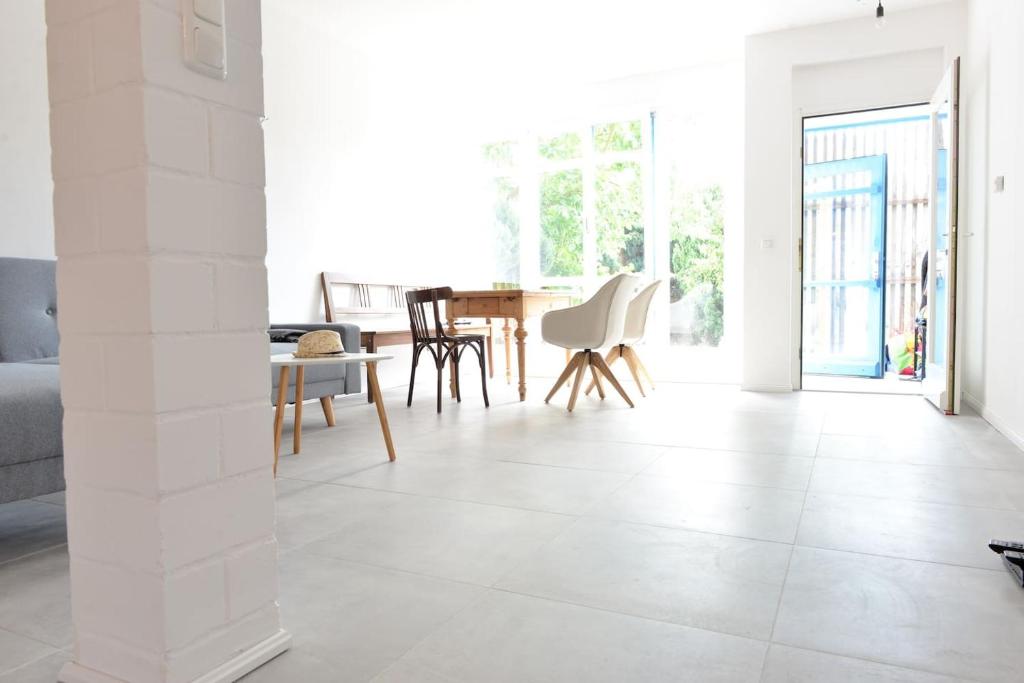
{"x": 367, "y": 163}
{"x": 373, "y": 151}
{"x": 26, "y": 188}
{"x": 784, "y": 71}
{"x": 992, "y": 97}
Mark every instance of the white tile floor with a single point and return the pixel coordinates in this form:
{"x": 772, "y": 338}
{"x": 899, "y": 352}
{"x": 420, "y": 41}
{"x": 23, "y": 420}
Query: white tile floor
{"x": 707, "y": 535}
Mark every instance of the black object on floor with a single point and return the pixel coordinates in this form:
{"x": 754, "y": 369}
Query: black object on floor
{"x": 1012, "y": 553}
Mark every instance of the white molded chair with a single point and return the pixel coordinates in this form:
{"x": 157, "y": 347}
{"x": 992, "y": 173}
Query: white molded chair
{"x": 633, "y": 331}
{"x": 591, "y": 325}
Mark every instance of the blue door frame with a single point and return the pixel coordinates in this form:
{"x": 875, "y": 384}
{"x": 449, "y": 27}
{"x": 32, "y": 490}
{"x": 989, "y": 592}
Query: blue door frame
{"x": 872, "y": 364}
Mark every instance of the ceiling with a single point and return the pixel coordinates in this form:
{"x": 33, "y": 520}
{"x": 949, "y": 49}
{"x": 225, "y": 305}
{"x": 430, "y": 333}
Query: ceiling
{"x": 588, "y": 39}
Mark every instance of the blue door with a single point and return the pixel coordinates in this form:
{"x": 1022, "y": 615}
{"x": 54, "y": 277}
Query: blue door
{"x": 844, "y": 267}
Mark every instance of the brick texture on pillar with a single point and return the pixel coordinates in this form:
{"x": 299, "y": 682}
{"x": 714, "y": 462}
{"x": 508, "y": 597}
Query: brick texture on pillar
{"x": 161, "y": 238}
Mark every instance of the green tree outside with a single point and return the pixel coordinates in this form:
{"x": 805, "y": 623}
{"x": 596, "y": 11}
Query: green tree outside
{"x": 698, "y": 257}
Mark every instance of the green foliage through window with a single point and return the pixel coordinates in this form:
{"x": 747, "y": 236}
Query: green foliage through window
{"x": 698, "y": 263}
{"x": 561, "y": 148}
{"x": 618, "y": 137}
{"x": 506, "y": 229}
{"x": 500, "y": 154}
{"x": 620, "y": 218}
{"x": 561, "y": 223}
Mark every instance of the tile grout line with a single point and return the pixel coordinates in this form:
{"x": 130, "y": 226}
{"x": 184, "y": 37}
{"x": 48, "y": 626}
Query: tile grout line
{"x": 789, "y": 561}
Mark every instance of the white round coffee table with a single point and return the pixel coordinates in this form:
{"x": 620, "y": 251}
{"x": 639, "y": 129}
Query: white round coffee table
{"x": 286, "y": 361}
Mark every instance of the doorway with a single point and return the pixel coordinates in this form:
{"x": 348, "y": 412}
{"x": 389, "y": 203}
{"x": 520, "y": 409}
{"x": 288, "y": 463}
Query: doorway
{"x": 864, "y": 247}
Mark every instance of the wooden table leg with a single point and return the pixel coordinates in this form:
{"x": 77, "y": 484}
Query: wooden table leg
{"x": 521, "y": 347}
{"x": 490, "y": 349}
{"x": 371, "y": 376}
{"x": 282, "y": 397}
{"x": 300, "y": 379}
{"x": 371, "y": 347}
{"x": 327, "y": 403}
{"x": 508, "y": 352}
{"x": 451, "y": 331}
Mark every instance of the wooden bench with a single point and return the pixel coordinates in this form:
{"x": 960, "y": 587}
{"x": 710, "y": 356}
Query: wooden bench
{"x": 382, "y": 300}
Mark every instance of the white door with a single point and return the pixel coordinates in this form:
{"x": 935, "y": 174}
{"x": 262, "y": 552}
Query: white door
{"x": 942, "y": 367}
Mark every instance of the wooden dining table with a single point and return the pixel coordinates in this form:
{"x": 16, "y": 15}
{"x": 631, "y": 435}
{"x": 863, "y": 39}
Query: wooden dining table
{"x": 507, "y": 304}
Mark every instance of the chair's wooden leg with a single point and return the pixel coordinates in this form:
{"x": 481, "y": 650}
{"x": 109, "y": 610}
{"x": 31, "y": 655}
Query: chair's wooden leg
{"x": 300, "y": 379}
{"x": 282, "y": 397}
{"x": 483, "y": 373}
{"x": 628, "y": 356}
{"x": 564, "y": 376}
{"x": 568, "y": 355}
{"x": 613, "y": 355}
{"x": 606, "y": 371}
{"x": 371, "y": 377}
{"x": 580, "y": 371}
{"x": 596, "y": 381}
{"x": 640, "y": 364}
{"x": 327, "y": 403}
{"x": 456, "y": 354}
{"x": 412, "y": 375}
{"x": 490, "y": 348}
{"x": 440, "y": 377}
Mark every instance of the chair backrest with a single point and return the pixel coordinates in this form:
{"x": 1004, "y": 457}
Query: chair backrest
{"x": 608, "y": 307}
{"x": 636, "y": 314}
{"x": 361, "y": 298}
{"x": 423, "y": 305}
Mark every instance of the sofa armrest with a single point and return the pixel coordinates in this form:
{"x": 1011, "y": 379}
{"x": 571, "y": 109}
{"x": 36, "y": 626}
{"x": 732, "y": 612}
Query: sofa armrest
{"x": 349, "y": 339}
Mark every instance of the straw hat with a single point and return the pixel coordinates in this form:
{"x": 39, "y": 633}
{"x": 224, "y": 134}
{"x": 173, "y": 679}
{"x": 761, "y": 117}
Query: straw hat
{"x": 319, "y": 344}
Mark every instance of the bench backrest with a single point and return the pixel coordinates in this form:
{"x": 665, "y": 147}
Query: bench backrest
{"x": 346, "y": 296}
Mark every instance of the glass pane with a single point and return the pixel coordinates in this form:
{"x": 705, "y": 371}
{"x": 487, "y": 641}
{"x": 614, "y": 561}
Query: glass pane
{"x": 854, "y": 180}
{"x": 835, "y": 318}
{"x": 562, "y": 147}
{"x": 698, "y": 261}
{"x": 839, "y": 239}
{"x": 620, "y": 218}
{"x": 618, "y": 137}
{"x": 506, "y": 229}
{"x": 500, "y": 154}
{"x": 561, "y": 223}
{"x": 940, "y": 307}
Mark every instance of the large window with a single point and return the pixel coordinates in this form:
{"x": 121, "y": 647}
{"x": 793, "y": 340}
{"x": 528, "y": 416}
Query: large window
{"x": 647, "y": 194}
{"x": 570, "y": 205}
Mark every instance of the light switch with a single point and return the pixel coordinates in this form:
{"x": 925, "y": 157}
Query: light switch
{"x": 204, "y": 36}
{"x": 211, "y": 11}
{"x": 1000, "y": 183}
{"x": 767, "y": 244}
{"x": 209, "y": 50}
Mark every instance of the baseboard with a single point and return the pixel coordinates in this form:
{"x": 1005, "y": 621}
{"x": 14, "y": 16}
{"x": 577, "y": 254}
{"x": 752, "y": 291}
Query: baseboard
{"x": 228, "y": 672}
{"x": 767, "y": 388}
{"x": 993, "y": 419}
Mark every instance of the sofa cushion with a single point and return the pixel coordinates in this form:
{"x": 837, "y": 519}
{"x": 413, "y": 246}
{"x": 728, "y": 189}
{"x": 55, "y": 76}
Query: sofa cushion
{"x": 28, "y": 309}
{"x": 335, "y": 372}
{"x": 30, "y": 412}
{"x": 52, "y": 360}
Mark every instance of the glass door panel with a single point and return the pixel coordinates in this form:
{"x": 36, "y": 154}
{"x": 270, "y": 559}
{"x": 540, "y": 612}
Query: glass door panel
{"x": 844, "y": 266}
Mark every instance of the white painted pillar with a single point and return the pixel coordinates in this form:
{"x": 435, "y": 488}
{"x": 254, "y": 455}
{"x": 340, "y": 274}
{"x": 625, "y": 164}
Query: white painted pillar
{"x": 161, "y": 238}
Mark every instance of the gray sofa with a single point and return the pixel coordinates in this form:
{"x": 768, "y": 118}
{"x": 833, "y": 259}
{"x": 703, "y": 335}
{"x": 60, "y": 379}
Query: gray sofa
{"x": 31, "y": 461}
{"x": 31, "y": 450}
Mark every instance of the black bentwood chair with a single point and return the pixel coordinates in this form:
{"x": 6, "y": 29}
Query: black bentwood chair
{"x": 442, "y": 346}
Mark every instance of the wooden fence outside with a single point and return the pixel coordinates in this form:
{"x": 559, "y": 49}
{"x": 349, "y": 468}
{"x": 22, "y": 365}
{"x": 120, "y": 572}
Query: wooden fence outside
{"x": 906, "y": 144}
